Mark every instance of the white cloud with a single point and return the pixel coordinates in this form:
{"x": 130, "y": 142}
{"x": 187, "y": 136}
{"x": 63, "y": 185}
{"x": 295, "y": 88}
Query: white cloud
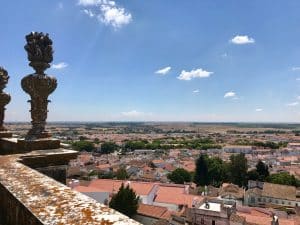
{"x": 132, "y": 113}
{"x": 60, "y": 5}
{"x": 107, "y": 12}
{"x": 298, "y": 79}
{"x": 198, "y": 73}
{"x": 115, "y": 16}
{"x": 230, "y": 94}
{"x": 89, "y": 2}
{"x": 196, "y": 91}
{"x": 59, "y": 66}
{"x": 88, "y": 12}
{"x": 242, "y": 39}
{"x": 163, "y": 71}
{"x": 135, "y": 114}
{"x": 258, "y": 110}
{"x": 292, "y": 104}
{"x": 296, "y": 68}
{"x": 224, "y": 55}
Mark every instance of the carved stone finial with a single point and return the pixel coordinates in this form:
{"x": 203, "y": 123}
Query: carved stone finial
{"x": 4, "y": 97}
{"x": 38, "y": 85}
{"x": 39, "y": 51}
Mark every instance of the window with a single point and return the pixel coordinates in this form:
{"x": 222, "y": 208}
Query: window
{"x": 213, "y": 222}
{"x": 202, "y": 221}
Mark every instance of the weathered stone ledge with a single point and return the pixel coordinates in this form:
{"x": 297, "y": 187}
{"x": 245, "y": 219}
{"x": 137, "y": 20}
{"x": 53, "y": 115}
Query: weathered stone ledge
{"x": 17, "y": 146}
{"x": 29, "y": 197}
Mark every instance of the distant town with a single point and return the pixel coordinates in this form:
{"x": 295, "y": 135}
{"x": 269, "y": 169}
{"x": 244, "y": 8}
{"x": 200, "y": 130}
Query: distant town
{"x": 187, "y": 173}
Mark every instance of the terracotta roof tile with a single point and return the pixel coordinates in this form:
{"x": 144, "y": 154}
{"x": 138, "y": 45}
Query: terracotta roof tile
{"x": 265, "y": 220}
{"x": 158, "y": 212}
{"x": 175, "y": 195}
{"x": 112, "y": 186}
{"x": 279, "y": 191}
{"x": 85, "y": 189}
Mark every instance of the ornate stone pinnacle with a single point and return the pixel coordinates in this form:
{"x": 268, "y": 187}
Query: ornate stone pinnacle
{"x": 39, "y": 51}
{"x": 4, "y": 97}
{"x": 38, "y": 85}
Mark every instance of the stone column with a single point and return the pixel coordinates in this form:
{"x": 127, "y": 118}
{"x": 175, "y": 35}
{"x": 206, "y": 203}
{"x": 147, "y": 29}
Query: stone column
{"x": 4, "y": 100}
{"x": 39, "y": 85}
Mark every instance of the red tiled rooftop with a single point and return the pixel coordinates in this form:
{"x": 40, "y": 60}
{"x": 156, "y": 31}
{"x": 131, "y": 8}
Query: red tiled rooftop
{"x": 104, "y": 166}
{"x": 112, "y": 186}
{"x": 158, "y": 161}
{"x": 175, "y": 195}
{"x": 85, "y": 189}
{"x": 189, "y": 165}
{"x": 154, "y": 211}
{"x": 169, "y": 167}
{"x": 141, "y": 188}
{"x": 265, "y": 220}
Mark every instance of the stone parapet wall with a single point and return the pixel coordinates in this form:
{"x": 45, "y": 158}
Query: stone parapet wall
{"x": 58, "y": 173}
{"x": 15, "y": 146}
{"x": 28, "y": 197}
{"x": 12, "y": 211}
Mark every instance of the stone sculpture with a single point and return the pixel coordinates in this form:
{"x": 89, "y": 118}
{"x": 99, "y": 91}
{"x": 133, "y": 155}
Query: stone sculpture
{"x": 39, "y": 85}
{"x": 4, "y": 100}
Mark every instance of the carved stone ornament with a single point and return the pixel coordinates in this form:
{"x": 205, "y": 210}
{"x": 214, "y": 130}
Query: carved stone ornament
{"x": 39, "y": 85}
{"x": 39, "y": 51}
{"x": 4, "y": 97}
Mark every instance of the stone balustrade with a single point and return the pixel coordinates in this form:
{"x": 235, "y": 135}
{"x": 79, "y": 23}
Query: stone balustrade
{"x": 28, "y": 197}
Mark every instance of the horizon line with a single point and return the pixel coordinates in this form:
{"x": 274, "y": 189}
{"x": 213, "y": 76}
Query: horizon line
{"x": 158, "y": 121}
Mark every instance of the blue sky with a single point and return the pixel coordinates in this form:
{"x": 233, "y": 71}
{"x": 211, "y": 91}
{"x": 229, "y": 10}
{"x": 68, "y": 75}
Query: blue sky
{"x": 159, "y": 60}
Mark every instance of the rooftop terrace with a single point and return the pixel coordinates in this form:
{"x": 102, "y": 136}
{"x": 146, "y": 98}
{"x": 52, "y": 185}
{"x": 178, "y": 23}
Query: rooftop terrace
{"x": 30, "y": 197}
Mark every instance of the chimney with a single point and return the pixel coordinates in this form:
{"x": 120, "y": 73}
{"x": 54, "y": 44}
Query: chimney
{"x": 74, "y": 183}
{"x": 275, "y": 220}
{"x": 206, "y": 205}
{"x": 127, "y": 183}
{"x": 186, "y": 189}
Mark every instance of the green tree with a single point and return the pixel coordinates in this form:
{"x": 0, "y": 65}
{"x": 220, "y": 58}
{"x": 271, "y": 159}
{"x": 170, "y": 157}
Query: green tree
{"x": 201, "y": 173}
{"x": 252, "y": 175}
{"x": 156, "y": 144}
{"x": 108, "y": 175}
{"x": 151, "y": 164}
{"x": 283, "y": 178}
{"x": 262, "y": 170}
{"x": 238, "y": 169}
{"x": 217, "y": 171}
{"x": 82, "y": 138}
{"x": 83, "y": 146}
{"x": 96, "y": 140}
{"x": 122, "y": 174}
{"x": 108, "y": 147}
{"x": 179, "y": 176}
{"x": 133, "y": 145}
{"x": 125, "y": 201}
{"x": 93, "y": 173}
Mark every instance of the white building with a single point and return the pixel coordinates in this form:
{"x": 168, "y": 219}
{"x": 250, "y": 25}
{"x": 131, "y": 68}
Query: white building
{"x": 238, "y": 149}
{"x": 268, "y": 194}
